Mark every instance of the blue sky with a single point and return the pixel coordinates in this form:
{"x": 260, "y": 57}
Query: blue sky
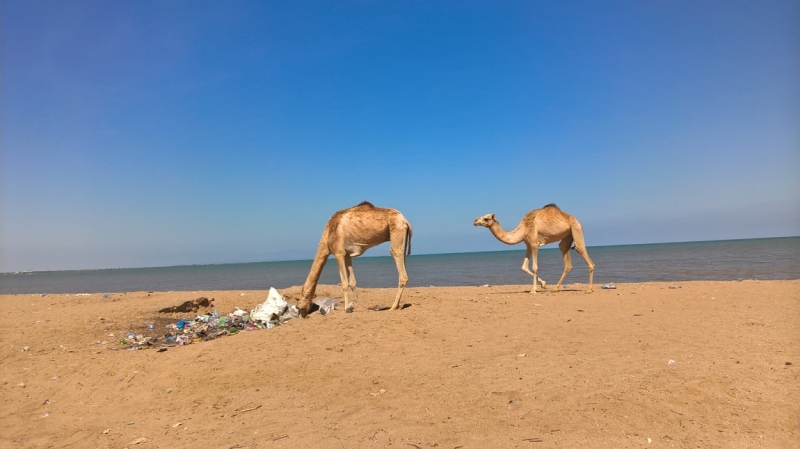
{"x": 164, "y": 133}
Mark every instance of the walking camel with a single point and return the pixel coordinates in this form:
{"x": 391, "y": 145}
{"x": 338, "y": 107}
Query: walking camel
{"x": 538, "y": 228}
{"x": 348, "y": 234}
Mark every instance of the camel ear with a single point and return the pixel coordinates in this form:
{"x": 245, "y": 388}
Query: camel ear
{"x": 492, "y": 215}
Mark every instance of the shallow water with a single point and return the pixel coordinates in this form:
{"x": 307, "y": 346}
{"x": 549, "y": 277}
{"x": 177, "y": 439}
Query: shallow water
{"x": 775, "y": 258}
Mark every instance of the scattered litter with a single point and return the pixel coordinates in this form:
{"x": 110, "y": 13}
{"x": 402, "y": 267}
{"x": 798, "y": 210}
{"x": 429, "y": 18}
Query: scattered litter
{"x": 21, "y": 384}
{"x": 671, "y": 362}
{"x": 129, "y": 423}
{"x": 169, "y": 390}
{"x": 137, "y": 441}
{"x": 273, "y": 312}
{"x": 609, "y": 287}
{"x": 522, "y": 355}
{"x": 326, "y": 305}
{"x": 485, "y": 285}
{"x": 25, "y": 348}
{"x": 83, "y": 294}
{"x": 378, "y": 393}
{"x": 673, "y": 287}
{"x": 46, "y": 414}
{"x": 649, "y": 440}
{"x": 177, "y": 424}
{"x": 105, "y": 432}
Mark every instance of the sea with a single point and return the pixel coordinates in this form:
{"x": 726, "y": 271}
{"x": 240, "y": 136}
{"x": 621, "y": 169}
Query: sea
{"x": 764, "y": 259}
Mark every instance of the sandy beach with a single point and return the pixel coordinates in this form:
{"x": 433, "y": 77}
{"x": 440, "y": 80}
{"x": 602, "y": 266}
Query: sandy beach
{"x": 709, "y": 364}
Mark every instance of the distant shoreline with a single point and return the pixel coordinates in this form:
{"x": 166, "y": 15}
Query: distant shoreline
{"x": 758, "y": 259}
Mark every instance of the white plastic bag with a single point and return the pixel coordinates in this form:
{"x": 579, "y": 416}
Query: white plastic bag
{"x": 326, "y": 305}
{"x": 271, "y": 309}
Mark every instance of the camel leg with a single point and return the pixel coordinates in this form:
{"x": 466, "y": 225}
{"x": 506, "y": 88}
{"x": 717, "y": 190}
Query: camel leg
{"x": 348, "y": 261}
{"x": 527, "y": 270}
{"x": 526, "y": 264}
{"x": 580, "y": 247}
{"x": 398, "y": 252}
{"x": 340, "y": 261}
{"x": 535, "y": 267}
{"x": 565, "y": 246}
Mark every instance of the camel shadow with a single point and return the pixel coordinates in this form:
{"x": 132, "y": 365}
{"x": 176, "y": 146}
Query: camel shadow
{"x": 561, "y": 290}
{"x": 377, "y": 308}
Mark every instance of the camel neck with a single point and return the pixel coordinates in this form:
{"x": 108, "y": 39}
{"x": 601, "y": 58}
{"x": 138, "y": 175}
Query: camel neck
{"x": 310, "y": 286}
{"x": 509, "y": 238}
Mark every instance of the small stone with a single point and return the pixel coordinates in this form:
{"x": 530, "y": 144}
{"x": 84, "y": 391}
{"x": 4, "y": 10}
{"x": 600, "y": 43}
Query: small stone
{"x": 105, "y": 432}
{"x": 788, "y": 363}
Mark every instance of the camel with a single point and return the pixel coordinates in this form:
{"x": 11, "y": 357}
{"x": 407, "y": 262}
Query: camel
{"x": 348, "y": 234}
{"x": 538, "y": 228}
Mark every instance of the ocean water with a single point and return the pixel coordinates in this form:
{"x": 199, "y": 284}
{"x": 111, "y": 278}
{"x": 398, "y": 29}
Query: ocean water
{"x": 774, "y": 258}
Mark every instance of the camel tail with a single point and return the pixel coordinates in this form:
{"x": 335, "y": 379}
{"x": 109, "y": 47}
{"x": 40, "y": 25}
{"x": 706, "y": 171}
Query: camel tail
{"x": 408, "y": 240}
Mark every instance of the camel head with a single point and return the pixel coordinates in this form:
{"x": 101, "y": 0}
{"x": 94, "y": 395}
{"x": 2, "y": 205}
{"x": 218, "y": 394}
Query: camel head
{"x": 486, "y": 221}
{"x": 303, "y": 305}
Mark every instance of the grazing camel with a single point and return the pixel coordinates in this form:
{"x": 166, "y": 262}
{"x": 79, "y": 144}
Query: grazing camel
{"x": 348, "y": 234}
{"x": 538, "y": 228}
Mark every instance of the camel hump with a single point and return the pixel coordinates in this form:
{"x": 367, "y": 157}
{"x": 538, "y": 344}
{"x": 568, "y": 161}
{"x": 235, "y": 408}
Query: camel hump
{"x": 366, "y": 204}
{"x": 551, "y": 205}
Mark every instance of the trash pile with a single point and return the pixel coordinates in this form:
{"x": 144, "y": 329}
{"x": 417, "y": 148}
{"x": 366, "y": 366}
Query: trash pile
{"x": 272, "y": 312}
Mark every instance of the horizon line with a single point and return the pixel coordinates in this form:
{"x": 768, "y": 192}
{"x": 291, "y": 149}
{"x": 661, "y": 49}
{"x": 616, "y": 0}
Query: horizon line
{"x": 375, "y": 257}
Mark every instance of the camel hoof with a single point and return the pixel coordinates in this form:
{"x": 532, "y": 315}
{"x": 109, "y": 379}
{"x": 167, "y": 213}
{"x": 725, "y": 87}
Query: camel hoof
{"x": 588, "y": 291}
{"x": 349, "y": 310}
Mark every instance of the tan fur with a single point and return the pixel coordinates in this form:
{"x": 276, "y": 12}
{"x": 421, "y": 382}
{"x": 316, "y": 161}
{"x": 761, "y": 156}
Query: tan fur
{"x": 538, "y": 228}
{"x": 348, "y": 234}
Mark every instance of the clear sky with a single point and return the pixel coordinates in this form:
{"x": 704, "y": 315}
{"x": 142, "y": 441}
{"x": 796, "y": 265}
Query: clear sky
{"x": 188, "y": 132}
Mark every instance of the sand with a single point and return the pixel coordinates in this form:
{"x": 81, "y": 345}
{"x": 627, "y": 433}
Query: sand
{"x": 710, "y": 364}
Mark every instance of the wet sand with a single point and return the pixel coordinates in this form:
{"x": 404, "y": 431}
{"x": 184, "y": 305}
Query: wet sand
{"x": 710, "y": 364}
